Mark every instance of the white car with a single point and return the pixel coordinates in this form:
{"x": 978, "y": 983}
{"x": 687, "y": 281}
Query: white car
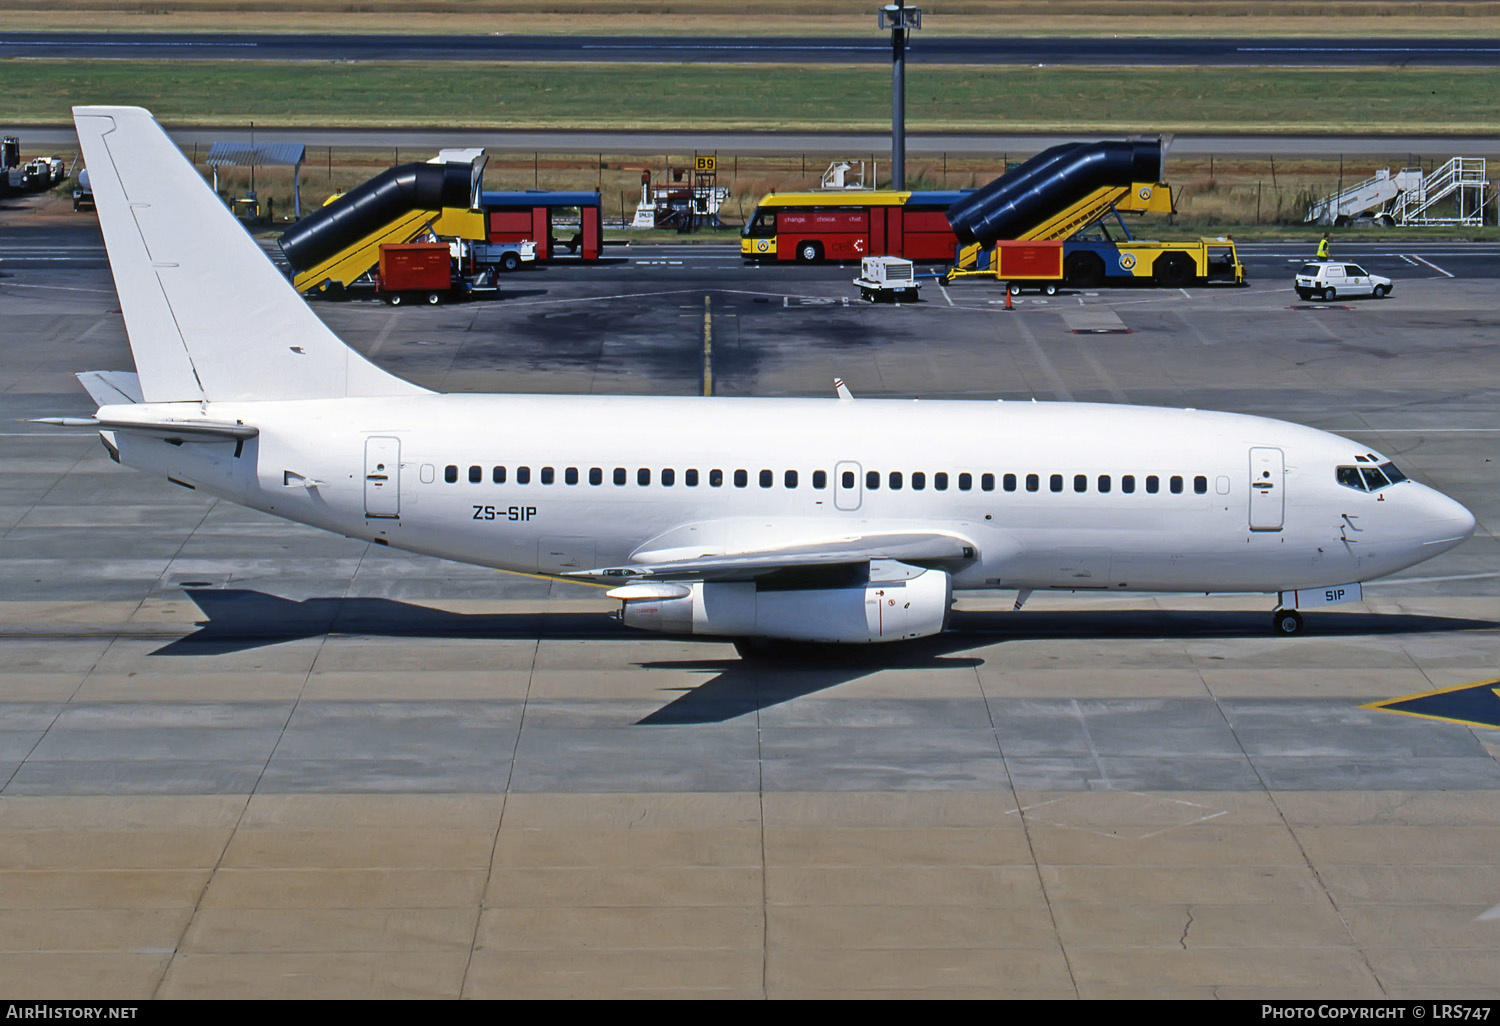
{"x": 1330, "y": 281}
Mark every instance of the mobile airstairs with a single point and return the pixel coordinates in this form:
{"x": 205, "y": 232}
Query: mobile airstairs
{"x": 1412, "y": 196}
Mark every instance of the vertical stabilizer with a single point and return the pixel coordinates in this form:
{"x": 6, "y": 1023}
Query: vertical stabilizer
{"x": 208, "y": 315}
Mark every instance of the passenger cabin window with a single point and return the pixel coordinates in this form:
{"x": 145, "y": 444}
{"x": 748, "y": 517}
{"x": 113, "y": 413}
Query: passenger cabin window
{"x": 1055, "y": 482}
{"x": 497, "y": 475}
{"x": 547, "y": 475}
{"x": 1176, "y": 484}
{"x": 690, "y": 478}
{"x": 1127, "y": 483}
{"x": 668, "y": 477}
{"x": 523, "y": 475}
{"x": 1080, "y": 482}
{"x": 767, "y": 479}
{"x": 450, "y": 473}
{"x": 790, "y": 479}
{"x": 965, "y": 482}
{"x": 620, "y": 475}
{"x": 1104, "y": 483}
{"x": 872, "y": 480}
{"x": 918, "y": 480}
{"x": 940, "y": 482}
{"x": 895, "y": 480}
{"x": 1008, "y": 482}
{"x": 715, "y": 478}
{"x": 476, "y": 474}
{"x": 1033, "y": 482}
{"x": 820, "y": 478}
{"x": 741, "y": 478}
{"x": 987, "y": 483}
{"x": 848, "y": 479}
{"x": 570, "y": 476}
{"x": 643, "y": 476}
{"x": 1153, "y": 484}
{"x": 596, "y": 475}
{"x": 1200, "y": 485}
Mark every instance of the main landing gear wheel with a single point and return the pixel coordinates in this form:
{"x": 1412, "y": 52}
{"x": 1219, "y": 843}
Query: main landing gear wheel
{"x": 1286, "y": 621}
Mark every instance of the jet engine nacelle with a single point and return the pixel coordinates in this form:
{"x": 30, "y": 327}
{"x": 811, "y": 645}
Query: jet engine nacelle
{"x": 875, "y": 611}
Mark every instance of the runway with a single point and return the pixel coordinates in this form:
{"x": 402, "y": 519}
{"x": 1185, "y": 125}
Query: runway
{"x": 240, "y": 758}
{"x": 870, "y": 48}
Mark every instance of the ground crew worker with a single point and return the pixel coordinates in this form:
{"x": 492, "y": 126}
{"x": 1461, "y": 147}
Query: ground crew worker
{"x": 1323, "y": 248}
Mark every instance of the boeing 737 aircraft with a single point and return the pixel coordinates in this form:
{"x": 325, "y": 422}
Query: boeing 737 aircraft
{"x": 825, "y": 520}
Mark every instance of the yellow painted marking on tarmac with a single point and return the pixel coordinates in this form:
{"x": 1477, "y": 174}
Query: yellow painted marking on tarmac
{"x": 554, "y": 577}
{"x": 708, "y": 346}
{"x": 1384, "y": 704}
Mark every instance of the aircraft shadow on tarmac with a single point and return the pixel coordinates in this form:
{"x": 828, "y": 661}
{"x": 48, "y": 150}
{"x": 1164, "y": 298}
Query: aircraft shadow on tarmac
{"x": 767, "y": 673}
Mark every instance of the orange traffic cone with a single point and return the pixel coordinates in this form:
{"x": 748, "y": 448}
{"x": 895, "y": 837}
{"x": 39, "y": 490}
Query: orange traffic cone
{"x": 1007, "y": 297}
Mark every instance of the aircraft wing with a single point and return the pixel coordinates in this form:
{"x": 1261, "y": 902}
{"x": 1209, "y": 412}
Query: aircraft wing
{"x": 814, "y": 557}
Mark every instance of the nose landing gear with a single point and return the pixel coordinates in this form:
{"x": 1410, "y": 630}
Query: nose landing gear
{"x": 1286, "y": 621}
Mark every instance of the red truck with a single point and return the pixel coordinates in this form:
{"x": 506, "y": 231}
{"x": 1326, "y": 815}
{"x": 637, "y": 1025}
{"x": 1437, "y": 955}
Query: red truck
{"x": 415, "y": 270}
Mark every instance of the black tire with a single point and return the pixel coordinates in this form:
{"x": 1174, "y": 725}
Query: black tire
{"x": 433, "y": 299}
{"x": 1304, "y": 294}
{"x": 1049, "y": 288}
{"x": 1286, "y": 622}
{"x": 510, "y": 261}
{"x": 1380, "y": 291}
{"x": 1330, "y": 294}
{"x": 1015, "y": 288}
{"x": 1172, "y": 270}
{"x": 1083, "y": 271}
{"x": 395, "y": 298}
{"x": 809, "y": 252}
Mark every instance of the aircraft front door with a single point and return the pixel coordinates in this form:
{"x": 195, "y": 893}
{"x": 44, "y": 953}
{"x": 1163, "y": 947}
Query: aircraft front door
{"x": 383, "y": 477}
{"x": 847, "y": 486}
{"x": 1267, "y": 489}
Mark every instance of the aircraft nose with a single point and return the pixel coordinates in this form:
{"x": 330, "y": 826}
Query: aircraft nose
{"x": 1446, "y": 523}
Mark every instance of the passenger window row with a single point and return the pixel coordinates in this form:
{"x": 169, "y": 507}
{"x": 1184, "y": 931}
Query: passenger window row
{"x": 895, "y": 480}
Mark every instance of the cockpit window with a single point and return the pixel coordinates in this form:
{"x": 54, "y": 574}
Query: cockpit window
{"x": 1368, "y": 478}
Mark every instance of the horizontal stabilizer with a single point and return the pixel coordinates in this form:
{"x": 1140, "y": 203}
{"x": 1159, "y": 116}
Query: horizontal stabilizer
{"x": 112, "y": 388}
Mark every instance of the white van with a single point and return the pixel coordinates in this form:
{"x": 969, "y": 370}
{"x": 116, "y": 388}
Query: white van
{"x": 1339, "y": 280}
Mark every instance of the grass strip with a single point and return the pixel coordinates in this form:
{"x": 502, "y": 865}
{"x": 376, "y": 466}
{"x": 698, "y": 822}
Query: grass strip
{"x": 723, "y": 97}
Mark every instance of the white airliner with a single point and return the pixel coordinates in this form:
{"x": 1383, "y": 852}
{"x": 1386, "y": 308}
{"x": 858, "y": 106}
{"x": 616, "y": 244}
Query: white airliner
{"x": 828, "y": 520}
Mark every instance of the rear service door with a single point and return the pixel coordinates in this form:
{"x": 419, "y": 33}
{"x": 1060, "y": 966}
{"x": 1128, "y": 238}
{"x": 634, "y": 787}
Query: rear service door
{"x": 382, "y": 477}
{"x": 1267, "y": 480}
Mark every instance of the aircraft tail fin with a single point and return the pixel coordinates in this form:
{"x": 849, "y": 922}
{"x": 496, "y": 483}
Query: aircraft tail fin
{"x": 208, "y": 315}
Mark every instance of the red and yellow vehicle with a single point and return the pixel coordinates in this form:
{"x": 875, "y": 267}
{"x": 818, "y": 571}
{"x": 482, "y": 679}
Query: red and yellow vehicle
{"x": 811, "y": 227}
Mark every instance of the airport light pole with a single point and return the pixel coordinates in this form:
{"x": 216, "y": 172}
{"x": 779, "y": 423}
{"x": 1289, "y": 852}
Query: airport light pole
{"x": 900, "y": 20}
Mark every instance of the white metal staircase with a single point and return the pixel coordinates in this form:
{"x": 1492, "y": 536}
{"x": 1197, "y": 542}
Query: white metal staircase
{"x": 1411, "y": 196}
{"x": 1462, "y": 178}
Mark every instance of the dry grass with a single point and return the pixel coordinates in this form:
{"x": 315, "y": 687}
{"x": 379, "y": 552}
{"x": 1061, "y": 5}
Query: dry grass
{"x": 712, "y": 97}
{"x": 762, "y": 17}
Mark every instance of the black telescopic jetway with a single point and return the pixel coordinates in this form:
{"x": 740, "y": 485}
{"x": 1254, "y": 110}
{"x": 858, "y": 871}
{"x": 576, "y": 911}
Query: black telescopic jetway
{"x": 375, "y": 203}
{"x": 1049, "y": 182}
